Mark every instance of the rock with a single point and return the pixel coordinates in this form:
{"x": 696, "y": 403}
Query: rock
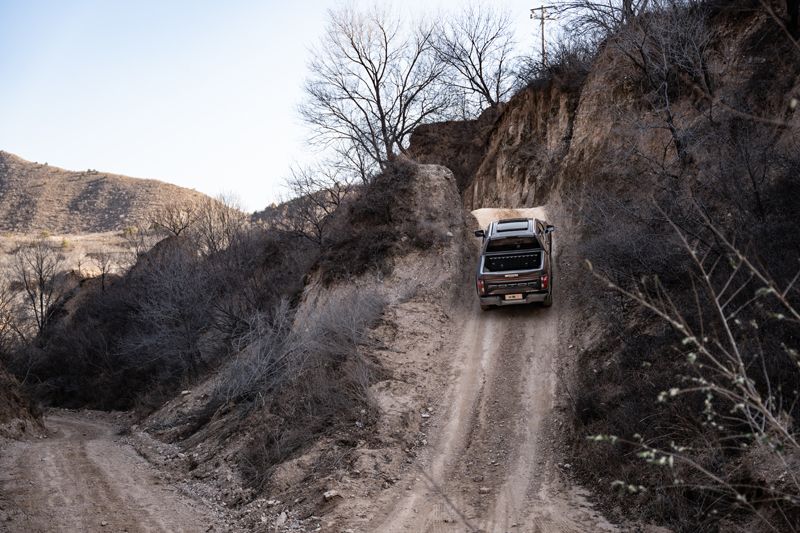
{"x": 103, "y": 523}
{"x": 426, "y": 415}
{"x": 272, "y": 502}
{"x": 450, "y": 234}
{"x": 331, "y": 494}
{"x": 185, "y": 392}
{"x": 281, "y": 519}
{"x": 484, "y": 490}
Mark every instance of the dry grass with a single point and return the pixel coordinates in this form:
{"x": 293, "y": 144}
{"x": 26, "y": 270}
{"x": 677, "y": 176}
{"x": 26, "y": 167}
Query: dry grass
{"x": 38, "y": 197}
{"x": 77, "y": 249}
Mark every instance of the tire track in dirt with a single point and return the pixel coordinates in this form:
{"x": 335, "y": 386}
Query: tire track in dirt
{"x": 82, "y": 479}
{"x": 492, "y": 467}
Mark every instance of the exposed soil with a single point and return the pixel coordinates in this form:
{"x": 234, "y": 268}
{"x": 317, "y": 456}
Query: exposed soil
{"x": 83, "y": 477}
{"x": 493, "y": 465}
{"x": 478, "y": 389}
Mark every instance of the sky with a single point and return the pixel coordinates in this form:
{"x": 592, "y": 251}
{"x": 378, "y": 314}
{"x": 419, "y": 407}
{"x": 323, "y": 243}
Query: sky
{"x": 199, "y": 93}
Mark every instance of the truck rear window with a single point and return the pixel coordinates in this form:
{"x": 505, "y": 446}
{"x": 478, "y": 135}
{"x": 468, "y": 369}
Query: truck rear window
{"x": 513, "y": 244}
{"x": 508, "y": 262}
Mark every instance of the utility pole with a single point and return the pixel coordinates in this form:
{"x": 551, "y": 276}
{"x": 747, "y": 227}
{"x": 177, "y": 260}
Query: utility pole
{"x": 542, "y": 16}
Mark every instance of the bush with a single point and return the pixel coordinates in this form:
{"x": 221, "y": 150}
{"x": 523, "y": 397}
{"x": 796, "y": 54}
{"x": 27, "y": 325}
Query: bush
{"x": 305, "y": 380}
{"x": 175, "y": 315}
{"x": 636, "y": 246}
{"x": 377, "y": 224}
{"x": 569, "y": 62}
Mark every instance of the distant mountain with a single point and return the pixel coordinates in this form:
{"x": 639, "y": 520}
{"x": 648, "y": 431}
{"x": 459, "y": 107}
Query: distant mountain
{"x": 39, "y": 197}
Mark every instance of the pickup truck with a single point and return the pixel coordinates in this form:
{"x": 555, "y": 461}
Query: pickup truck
{"x": 515, "y": 266}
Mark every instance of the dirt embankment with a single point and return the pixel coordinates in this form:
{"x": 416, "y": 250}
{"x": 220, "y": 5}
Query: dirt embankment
{"x": 18, "y": 417}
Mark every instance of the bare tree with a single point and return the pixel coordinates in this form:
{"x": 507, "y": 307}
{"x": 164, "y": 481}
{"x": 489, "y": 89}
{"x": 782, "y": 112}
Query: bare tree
{"x": 371, "y": 84}
{"x": 175, "y": 309}
{"x": 105, "y": 261}
{"x": 8, "y": 325}
{"x": 38, "y": 269}
{"x": 218, "y": 222}
{"x": 477, "y": 45}
{"x": 174, "y": 217}
{"x": 317, "y": 193}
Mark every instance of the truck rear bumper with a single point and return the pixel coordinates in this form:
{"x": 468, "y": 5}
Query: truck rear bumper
{"x": 529, "y": 298}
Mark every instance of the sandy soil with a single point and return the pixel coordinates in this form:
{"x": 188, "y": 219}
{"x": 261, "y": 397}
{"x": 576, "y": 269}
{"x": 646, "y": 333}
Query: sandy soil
{"x": 83, "y": 478}
{"x": 493, "y": 463}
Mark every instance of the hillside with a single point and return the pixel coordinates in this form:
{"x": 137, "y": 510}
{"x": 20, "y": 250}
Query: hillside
{"x": 353, "y": 383}
{"x": 38, "y": 197}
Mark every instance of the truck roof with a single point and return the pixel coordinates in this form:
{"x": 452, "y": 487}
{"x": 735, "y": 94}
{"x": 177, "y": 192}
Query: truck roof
{"x": 512, "y": 227}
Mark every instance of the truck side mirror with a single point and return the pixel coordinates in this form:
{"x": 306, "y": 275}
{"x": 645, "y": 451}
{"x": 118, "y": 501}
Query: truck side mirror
{"x": 480, "y": 233}
{"x": 549, "y": 229}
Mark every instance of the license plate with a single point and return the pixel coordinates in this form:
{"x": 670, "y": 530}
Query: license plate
{"x": 513, "y": 297}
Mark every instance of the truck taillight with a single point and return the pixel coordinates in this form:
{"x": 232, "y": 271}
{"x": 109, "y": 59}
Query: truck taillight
{"x": 545, "y": 281}
{"x": 481, "y": 287}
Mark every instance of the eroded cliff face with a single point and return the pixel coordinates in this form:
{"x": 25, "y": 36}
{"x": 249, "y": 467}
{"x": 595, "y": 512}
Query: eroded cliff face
{"x": 605, "y": 132}
{"x": 525, "y": 149}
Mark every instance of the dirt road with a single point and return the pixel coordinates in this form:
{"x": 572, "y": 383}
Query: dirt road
{"x": 492, "y": 467}
{"x": 83, "y": 479}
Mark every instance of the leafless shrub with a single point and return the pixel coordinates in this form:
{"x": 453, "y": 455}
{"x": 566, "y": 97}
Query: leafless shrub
{"x": 669, "y": 48}
{"x": 741, "y": 375}
{"x": 569, "y": 62}
{"x": 599, "y": 18}
{"x": 312, "y": 380}
{"x": 279, "y": 347}
{"x": 262, "y": 357}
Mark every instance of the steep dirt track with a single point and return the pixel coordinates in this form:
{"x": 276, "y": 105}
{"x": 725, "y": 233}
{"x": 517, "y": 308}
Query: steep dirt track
{"x": 493, "y": 465}
{"x": 82, "y": 479}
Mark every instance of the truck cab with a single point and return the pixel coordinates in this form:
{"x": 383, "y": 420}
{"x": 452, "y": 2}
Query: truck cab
{"x": 515, "y": 265}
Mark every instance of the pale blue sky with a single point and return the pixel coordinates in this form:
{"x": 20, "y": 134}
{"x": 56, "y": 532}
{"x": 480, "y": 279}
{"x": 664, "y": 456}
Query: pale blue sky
{"x": 198, "y": 93}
